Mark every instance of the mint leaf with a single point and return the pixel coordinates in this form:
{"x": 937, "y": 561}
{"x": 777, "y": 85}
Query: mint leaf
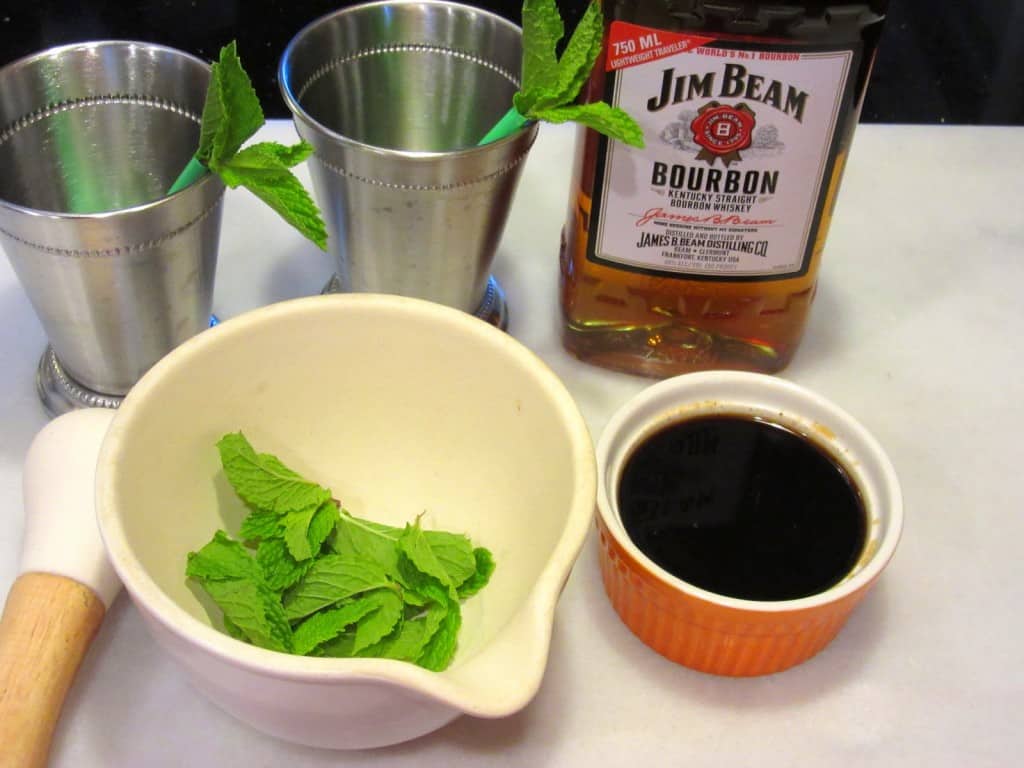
{"x": 280, "y": 569}
{"x": 564, "y": 77}
{"x": 331, "y": 579}
{"x": 454, "y": 553}
{"x": 611, "y": 121}
{"x": 414, "y": 546}
{"x": 263, "y": 169}
{"x": 232, "y": 112}
{"x": 542, "y": 30}
{"x": 322, "y": 526}
{"x": 213, "y": 123}
{"x": 405, "y": 643}
{"x": 271, "y": 155}
{"x": 302, "y": 532}
{"x": 262, "y": 481}
{"x": 431, "y": 619}
{"x": 414, "y": 599}
{"x": 364, "y": 538}
{"x": 482, "y": 574}
{"x": 259, "y": 525}
{"x": 374, "y": 626}
{"x": 327, "y": 625}
{"x": 580, "y": 55}
{"x": 222, "y": 559}
{"x": 296, "y": 527}
{"x": 338, "y": 648}
{"x": 418, "y": 583}
{"x": 254, "y": 610}
{"x": 409, "y": 640}
{"x": 438, "y": 652}
{"x": 234, "y": 580}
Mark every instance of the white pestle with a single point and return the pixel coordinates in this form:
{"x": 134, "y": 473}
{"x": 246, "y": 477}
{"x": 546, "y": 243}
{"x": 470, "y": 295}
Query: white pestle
{"x": 64, "y": 586}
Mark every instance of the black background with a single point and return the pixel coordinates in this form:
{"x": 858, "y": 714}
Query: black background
{"x": 940, "y": 61}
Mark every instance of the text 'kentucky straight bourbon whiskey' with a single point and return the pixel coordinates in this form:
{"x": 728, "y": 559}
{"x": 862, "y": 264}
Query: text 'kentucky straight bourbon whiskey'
{"x": 702, "y": 249}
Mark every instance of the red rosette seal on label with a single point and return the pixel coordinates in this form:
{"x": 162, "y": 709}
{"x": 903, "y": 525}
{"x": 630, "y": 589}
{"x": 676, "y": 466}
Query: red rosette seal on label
{"x": 722, "y": 131}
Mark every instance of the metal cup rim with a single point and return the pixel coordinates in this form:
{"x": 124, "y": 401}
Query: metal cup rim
{"x": 300, "y": 113}
{"x": 31, "y": 58}
{"x": 104, "y": 43}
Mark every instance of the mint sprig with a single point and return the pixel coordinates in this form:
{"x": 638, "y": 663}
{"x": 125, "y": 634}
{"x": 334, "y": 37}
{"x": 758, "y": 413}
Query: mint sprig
{"x": 231, "y": 115}
{"x": 551, "y": 83}
{"x": 264, "y": 482}
{"x": 311, "y": 579}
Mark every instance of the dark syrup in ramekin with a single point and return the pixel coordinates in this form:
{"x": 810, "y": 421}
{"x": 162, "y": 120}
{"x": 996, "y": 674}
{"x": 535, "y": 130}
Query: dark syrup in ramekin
{"x": 742, "y": 507}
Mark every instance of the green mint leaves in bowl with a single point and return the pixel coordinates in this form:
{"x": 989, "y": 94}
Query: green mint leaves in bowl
{"x": 551, "y": 84}
{"x": 311, "y": 579}
{"x": 231, "y": 115}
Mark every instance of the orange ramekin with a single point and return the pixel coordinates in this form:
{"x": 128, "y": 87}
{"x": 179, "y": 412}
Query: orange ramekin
{"x": 715, "y": 633}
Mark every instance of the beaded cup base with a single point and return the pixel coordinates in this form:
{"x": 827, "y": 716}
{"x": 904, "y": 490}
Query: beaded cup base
{"x": 60, "y": 393}
{"x": 493, "y": 309}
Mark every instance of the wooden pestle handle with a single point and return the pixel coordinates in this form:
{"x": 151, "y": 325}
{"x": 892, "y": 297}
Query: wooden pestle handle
{"x": 46, "y": 628}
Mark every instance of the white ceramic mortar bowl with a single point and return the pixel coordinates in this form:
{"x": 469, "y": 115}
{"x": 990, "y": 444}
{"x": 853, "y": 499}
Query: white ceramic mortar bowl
{"x": 401, "y": 407}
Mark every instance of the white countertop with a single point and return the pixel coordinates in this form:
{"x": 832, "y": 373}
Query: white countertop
{"x": 917, "y": 330}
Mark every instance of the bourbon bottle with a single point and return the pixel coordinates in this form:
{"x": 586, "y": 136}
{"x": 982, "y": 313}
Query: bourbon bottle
{"x": 702, "y": 249}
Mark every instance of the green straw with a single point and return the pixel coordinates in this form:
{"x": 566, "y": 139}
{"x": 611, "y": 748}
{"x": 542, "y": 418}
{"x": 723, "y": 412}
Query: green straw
{"x": 192, "y": 173}
{"x": 510, "y": 122}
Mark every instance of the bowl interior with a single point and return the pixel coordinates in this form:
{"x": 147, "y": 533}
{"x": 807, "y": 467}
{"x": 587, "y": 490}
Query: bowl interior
{"x": 400, "y": 407}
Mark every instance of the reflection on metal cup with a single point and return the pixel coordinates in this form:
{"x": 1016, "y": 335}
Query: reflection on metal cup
{"x": 394, "y": 97}
{"x": 91, "y": 137}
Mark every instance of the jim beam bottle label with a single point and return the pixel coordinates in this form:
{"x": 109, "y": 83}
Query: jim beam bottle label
{"x": 740, "y": 142}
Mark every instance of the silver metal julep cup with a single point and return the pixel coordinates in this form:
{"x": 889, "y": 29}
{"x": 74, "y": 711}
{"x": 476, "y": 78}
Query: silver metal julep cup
{"x": 91, "y": 137}
{"x": 394, "y": 97}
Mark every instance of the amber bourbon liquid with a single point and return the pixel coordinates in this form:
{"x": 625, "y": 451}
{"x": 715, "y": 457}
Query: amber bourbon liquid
{"x": 702, "y": 250}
